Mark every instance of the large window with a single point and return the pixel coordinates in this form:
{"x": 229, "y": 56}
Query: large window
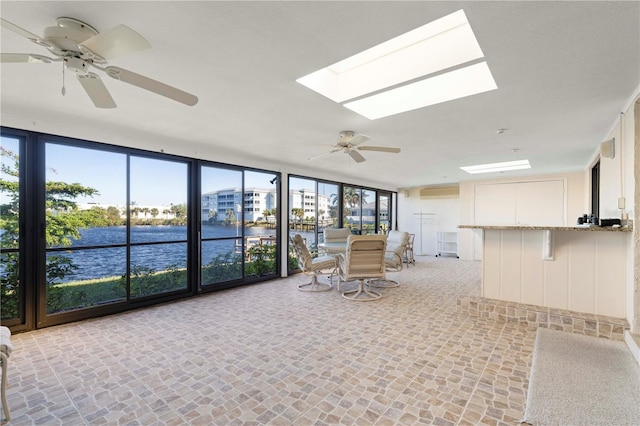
{"x": 239, "y": 210}
{"x": 11, "y": 263}
{"x": 85, "y": 196}
{"x": 105, "y": 229}
{"x": 159, "y": 251}
{"x": 100, "y": 252}
{"x": 316, "y": 205}
{"x": 595, "y": 189}
{"x": 221, "y": 233}
{"x": 360, "y": 209}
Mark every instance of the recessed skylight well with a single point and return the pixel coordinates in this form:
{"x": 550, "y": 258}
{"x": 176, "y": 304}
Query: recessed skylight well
{"x": 498, "y": 167}
{"x": 439, "y": 45}
{"x": 444, "y": 87}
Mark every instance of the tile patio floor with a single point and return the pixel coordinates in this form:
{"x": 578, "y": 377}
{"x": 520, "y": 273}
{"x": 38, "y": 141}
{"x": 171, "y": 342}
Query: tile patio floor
{"x": 268, "y": 354}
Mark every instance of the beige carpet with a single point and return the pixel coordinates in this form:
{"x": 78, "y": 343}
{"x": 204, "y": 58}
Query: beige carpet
{"x": 582, "y": 380}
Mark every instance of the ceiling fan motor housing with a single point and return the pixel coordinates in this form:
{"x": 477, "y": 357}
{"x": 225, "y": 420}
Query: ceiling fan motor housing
{"x": 76, "y": 65}
{"x": 65, "y": 40}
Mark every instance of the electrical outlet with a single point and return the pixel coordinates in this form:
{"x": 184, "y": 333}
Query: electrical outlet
{"x": 621, "y": 203}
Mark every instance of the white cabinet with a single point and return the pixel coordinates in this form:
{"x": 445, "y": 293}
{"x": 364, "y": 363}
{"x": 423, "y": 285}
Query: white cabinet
{"x": 447, "y": 243}
{"x": 535, "y": 203}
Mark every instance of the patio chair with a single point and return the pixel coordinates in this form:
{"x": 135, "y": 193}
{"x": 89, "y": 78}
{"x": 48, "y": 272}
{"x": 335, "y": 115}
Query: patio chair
{"x": 393, "y": 259}
{"x": 5, "y": 350}
{"x": 408, "y": 255}
{"x": 364, "y": 259}
{"x": 312, "y": 265}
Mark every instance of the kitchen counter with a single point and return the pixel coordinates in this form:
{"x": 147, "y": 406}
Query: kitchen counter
{"x": 575, "y": 268}
{"x": 549, "y": 228}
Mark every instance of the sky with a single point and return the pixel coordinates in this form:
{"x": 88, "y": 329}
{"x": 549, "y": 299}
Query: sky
{"x": 153, "y": 182}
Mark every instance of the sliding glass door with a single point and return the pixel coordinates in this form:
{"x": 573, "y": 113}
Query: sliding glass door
{"x": 85, "y": 215}
{"x": 115, "y": 228}
{"x": 158, "y": 247}
{"x": 238, "y": 236}
{"x": 221, "y": 234}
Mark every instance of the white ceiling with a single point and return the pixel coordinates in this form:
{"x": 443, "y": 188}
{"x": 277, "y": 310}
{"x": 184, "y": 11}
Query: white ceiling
{"x": 564, "y": 72}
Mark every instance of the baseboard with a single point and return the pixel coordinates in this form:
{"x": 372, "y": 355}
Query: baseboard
{"x": 633, "y": 341}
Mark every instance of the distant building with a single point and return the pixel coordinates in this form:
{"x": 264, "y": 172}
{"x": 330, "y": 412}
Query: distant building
{"x": 228, "y": 204}
{"x": 218, "y": 206}
{"x": 306, "y": 200}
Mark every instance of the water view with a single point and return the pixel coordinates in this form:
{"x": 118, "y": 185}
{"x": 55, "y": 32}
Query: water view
{"x": 111, "y": 261}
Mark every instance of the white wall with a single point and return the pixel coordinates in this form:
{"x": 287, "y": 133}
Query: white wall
{"x": 617, "y": 180}
{"x": 439, "y": 214}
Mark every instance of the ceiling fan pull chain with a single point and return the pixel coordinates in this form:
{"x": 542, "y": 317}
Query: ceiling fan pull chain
{"x": 64, "y": 90}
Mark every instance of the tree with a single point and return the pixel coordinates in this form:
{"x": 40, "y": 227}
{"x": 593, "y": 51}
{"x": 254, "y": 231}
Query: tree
{"x": 213, "y": 216}
{"x": 179, "y": 211}
{"x": 230, "y": 217}
{"x": 351, "y": 196}
{"x": 113, "y": 215}
{"x": 154, "y": 212}
{"x": 63, "y": 223}
{"x": 297, "y": 212}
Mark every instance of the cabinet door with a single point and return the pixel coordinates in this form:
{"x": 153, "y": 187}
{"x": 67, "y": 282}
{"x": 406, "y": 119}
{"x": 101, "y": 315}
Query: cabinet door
{"x": 495, "y": 204}
{"x": 536, "y": 203}
{"x": 540, "y": 203}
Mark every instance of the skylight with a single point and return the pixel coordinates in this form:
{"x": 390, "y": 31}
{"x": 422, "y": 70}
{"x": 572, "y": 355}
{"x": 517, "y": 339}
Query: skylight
{"x": 439, "y": 45}
{"x": 444, "y": 87}
{"x": 498, "y": 167}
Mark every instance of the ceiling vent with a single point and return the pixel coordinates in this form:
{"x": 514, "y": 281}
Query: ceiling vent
{"x": 440, "y": 192}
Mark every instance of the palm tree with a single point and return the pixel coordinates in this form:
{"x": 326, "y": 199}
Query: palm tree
{"x": 351, "y": 196}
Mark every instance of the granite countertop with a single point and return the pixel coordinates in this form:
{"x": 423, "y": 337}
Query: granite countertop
{"x": 549, "y": 228}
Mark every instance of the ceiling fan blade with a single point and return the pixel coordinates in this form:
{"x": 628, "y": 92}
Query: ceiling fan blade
{"x": 150, "y": 85}
{"x": 358, "y": 139}
{"x": 325, "y": 154}
{"x": 25, "y": 57}
{"x": 378, "y": 148}
{"x": 356, "y": 156}
{"x": 115, "y": 42}
{"x": 96, "y": 90}
{"x": 24, "y": 33}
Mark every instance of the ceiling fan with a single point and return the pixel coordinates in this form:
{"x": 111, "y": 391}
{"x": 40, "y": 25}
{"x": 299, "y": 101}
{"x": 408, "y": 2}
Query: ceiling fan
{"x": 81, "y": 48}
{"x": 349, "y": 143}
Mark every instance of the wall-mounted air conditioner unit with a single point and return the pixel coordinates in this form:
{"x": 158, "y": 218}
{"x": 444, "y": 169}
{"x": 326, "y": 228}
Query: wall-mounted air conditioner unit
{"x": 452, "y": 191}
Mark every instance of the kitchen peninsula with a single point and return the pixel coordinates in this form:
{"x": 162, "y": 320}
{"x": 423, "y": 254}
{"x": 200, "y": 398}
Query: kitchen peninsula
{"x": 575, "y": 268}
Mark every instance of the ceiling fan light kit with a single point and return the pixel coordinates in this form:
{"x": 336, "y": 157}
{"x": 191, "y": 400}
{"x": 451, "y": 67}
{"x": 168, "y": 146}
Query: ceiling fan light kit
{"x": 81, "y": 47}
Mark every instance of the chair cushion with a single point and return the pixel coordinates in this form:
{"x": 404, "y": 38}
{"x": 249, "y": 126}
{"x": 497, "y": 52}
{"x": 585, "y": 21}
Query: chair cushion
{"x": 5, "y": 340}
{"x": 323, "y": 262}
{"x": 335, "y": 235}
{"x": 397, "y": 241}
